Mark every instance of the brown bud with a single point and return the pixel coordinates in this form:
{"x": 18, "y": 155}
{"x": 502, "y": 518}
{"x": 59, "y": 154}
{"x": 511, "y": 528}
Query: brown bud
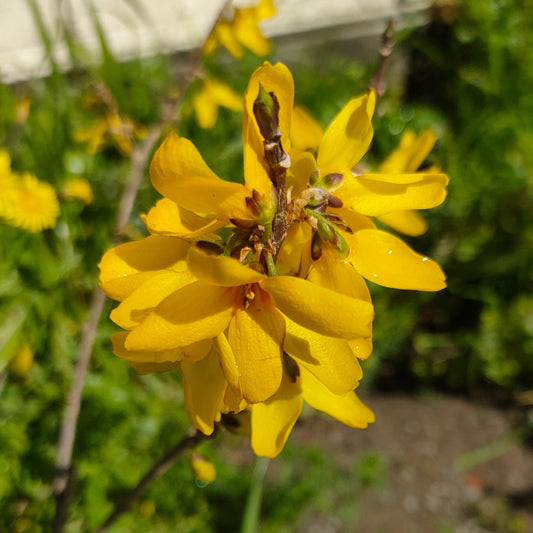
{"x": 332, "y": 180}
{"x": 266, "y": 111}
{"x": 334, "y": 201}
{"x": 316, "y": 247}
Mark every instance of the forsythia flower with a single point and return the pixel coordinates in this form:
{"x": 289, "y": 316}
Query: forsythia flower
{"x": 277, "y": 313}
{"x": 78, "y": 189}
{"x": 210, "y": 96}
{"x": 242, "y": 31}
{"x": 113, "y": 129}
{"x": 203, "y": 468}
{"x": 407, "y": 158}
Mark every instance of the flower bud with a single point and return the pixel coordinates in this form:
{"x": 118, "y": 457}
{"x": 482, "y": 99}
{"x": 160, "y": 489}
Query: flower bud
{"x": 266, "y": 109}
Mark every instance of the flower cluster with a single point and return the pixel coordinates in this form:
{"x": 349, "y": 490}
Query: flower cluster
{"x": 25, "y": 201}
{"x": 256, "y": 291}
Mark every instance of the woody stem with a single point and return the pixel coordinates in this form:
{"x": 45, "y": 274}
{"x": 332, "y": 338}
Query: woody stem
{"x": 266, "y": 111}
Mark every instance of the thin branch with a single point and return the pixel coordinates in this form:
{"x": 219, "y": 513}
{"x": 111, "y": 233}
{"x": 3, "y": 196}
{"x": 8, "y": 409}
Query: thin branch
{"x": 63, "y": 483}
{"x": 67, "y": 434}
{"x": 158, "y": 469}
{"x": 378, "y": 81}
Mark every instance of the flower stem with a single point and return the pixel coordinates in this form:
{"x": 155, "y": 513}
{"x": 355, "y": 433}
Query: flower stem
{"x": 252, "y": 510}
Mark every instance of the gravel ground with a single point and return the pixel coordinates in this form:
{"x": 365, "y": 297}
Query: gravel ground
{"x": 420, "y": 440}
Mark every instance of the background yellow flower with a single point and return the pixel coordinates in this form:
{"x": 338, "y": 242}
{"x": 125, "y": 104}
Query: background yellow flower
{"x": 31, "y": 204}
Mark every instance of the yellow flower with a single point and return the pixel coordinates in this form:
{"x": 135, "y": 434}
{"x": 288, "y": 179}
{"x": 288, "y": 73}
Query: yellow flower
{"x": 198, "y": 297}
{"x": 196, "y": 201}
{"x": 211, "y": 95}
{"x": 253, "y": 330}
{"x": 349, "y": 200}
{"x": 30, "y": 204}
{"x": 273, "y": 420}
{"x": 113, "y": 129}
{"x": 203, "y": 468}
{"x": 242, "y": 31}
{"x": 218, "y": 316}
{"x": 407, "y": 158}
{"x": 22, "y": 361}
{"x": 78, "y": 189}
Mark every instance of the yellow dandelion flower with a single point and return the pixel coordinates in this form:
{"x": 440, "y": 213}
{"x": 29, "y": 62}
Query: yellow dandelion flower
{"x": 31, "y": 204}
{"x": 78, "y": 189}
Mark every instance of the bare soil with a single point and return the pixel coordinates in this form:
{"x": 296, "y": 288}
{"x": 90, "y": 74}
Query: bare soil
{"x": 420, "y": 440}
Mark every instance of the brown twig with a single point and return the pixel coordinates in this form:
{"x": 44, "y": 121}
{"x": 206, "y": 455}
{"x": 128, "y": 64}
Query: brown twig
{"x": 63, "y": 482}
{"x": 378, "y": 82}
{"x": 266, "y": 112}
{"x": 158, "y": 469}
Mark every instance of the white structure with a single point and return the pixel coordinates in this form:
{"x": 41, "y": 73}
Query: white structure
{"x": 146, "y": 27}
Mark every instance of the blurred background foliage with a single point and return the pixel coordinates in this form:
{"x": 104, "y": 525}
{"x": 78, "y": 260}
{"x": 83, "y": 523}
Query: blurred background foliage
{"x": 467, "y": 75}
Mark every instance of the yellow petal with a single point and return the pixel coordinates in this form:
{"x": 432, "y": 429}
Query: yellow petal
{"x": 264, "y": 9}
{"x": 295, "y": 251}
{"x": 336, "y": 274}
{"x": 378, "y": 194}
{"x": 228, "y": 39}
{"x": 329, "y": 359}
{"x": 348, "y": 136}
{"x": 228, "y": 362}
{"x": 126, "y": 266}
{"x": 406, "y": 222}
{"x": 256, "y": 338}
{"x": 277, "y": 79}
{"x": 223, "y": 95}
{"x": 319, "y": 309}
{"x": 220, "y": 270}
{"x": 306, "y": 132}
{"x": 248, "y": 33}
{"x": 346, "y": 408}
{"x": 411, "y": 152}
{"x": 168, "y": 218}
{"x": 193, "y": 352}
{"x": 203, "y": 388}
{"x": 136, "y": 307}
{"x": 386, "y": 260}
{"x": 195, "y": 312}
{"x": 152, "y": 368}
{"x": 355, "y": 221}
{"x": 233, "y": 401}
{"x": 178, "y": 172}
{"x": 273, "y": 420}
{"x": 203, "y": 468}
{"x": 205, "y": 109}
{"x": 303, "y": 164}
{"x": 361, "y": 347}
